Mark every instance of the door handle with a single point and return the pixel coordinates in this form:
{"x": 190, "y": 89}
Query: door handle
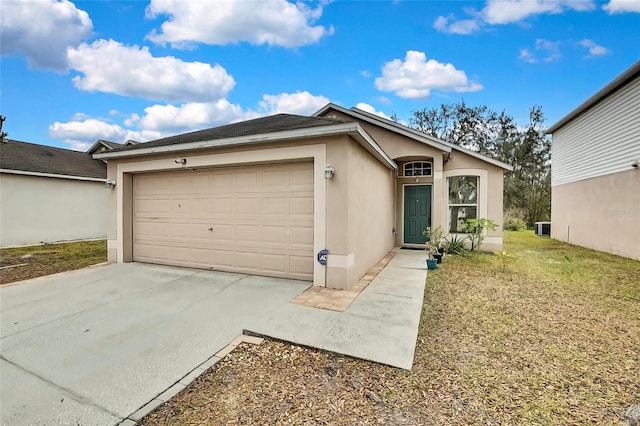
{"x": 211, "y": 229}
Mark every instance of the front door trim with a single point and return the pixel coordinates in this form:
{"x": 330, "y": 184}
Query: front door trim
{"x": 404, "y": 243}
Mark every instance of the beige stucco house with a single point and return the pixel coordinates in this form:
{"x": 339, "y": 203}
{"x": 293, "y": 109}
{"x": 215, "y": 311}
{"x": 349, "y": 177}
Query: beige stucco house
{"x": 265, "y": 196}
{"x": 595, "y": 170}
{"x": 50, "y": 195}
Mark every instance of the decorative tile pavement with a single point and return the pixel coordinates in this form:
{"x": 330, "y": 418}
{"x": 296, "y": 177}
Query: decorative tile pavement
{"x": 336, "y": 299}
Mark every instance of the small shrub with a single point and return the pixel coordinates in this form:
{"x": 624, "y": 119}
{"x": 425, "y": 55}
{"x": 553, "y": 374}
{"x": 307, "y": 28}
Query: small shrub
{"x": 475, "y": 230}
{"x": 512, "y": 223}
{"x": 454, "y": 245}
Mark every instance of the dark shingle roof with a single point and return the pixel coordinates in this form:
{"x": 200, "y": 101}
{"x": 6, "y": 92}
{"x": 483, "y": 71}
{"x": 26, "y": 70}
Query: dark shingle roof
{"x": 102, "y": 145}
{"x": 30, "y": 157}
{"x": 110, "y": 144}
{"x": 270, "y": 124}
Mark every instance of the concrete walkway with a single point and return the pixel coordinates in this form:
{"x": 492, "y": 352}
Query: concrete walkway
{"x": 381, "y": 325}
{"x": 96, "y": 346}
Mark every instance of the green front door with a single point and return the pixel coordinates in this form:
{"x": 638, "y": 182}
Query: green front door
{"x": 417, "y": 212}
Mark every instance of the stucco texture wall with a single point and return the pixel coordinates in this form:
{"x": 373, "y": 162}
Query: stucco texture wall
{"x": 360, "y": 203}
{"x": 35, "y": 209}
{"x": 601, "y": 213}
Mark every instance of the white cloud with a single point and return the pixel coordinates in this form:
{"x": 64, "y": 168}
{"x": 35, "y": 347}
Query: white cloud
{"x": 448, "y": 24}
{"x": 500, "y": 12}
{"x": 271, "y": 22}
{"x": 42, "y": 31}
{"x": 365, "y": 73}
{"x": 165, "y": 120}
{"x": 370, "y": 109}
{"x": 302, "y": 103}
{"x": 415, "y": 77}
{"x": 81, "y": 134}
{"x": 545, "y": 51}
{"x": 190, "y": 116}
{"x": 509, "y": 11}
{"x": 111, "y": 67}
{"x": 594, "y": 49}
{"x": 527, "y": 56}
{"x": 622, "y": 6}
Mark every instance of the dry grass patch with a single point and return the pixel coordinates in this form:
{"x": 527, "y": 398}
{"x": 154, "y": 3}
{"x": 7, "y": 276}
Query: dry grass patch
{"x": 547, "y": 334}
{"x": 23, "y": 263}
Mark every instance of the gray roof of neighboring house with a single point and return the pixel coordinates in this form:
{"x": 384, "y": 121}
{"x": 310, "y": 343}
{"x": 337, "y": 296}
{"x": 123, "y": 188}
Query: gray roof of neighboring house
{"x": 630, "y": 74}
{"x": 270, "y": 124}
{"x": 102, "y": 145}
{"x": 31, "y": 157}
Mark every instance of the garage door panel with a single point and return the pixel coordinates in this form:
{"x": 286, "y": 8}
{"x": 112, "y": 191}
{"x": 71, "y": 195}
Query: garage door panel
{"x": 275, "y": 234}
{"x": 301, "y": 206}
{"x": 248, "y": 260}
{"x": 299, "y": 265}
{"x": 275, "y": 206}
{"x": 246, "y": 181}
{"x": 261, "y": 219}
{"x": 247, "y": 206}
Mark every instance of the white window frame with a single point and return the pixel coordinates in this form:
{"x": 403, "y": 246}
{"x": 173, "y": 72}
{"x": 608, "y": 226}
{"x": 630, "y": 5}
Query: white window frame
{"x": 422, "y": 168}
{"x": 483, "y": 191}
{"x": 450, "y": 205}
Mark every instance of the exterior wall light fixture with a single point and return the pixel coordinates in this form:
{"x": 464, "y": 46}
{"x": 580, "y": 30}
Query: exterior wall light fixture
{"x": 329, "y": 172}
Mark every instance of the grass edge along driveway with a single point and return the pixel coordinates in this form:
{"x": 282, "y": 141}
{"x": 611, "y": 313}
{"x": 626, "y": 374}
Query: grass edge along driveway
{"x": 22, "y": 263}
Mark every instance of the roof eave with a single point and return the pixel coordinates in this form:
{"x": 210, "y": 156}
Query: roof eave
{"x": 350, "y": 128}
{"x": 631, "y": 73}
{"x": 414, "y": 134}
{"x": 387, "y": 124}
{"x": 52, "y": 175}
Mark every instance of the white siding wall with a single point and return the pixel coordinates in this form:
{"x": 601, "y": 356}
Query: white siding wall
{"x": 603, "y": 140}
{"x": 40, "y": 209}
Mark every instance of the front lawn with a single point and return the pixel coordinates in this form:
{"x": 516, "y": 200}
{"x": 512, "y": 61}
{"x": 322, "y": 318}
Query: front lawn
{"x": 29, "y": 262}
{"x": 548, "y": 334}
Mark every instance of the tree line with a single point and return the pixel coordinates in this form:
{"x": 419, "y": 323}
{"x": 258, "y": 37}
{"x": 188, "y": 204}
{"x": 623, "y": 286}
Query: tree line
{"x": 527, "y": 189}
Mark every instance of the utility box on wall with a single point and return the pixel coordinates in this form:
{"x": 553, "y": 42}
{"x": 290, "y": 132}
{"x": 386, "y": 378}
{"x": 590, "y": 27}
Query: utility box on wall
{"x": 543, "y": 229}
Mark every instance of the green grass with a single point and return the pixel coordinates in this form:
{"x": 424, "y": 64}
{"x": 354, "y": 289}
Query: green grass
{"x": 547, "y": 334}
{"x": 48, "y": 259}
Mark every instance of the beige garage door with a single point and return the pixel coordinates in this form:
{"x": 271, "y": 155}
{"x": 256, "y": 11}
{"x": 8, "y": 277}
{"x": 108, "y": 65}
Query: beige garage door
{"x": 250, "y": 219}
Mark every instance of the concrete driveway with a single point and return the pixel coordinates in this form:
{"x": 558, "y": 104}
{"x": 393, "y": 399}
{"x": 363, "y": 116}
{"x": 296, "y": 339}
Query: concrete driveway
{"x": 94, "y": 346}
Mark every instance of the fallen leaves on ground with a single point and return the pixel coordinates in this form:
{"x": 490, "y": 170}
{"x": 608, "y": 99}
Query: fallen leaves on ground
{"x": 547, "y": 334}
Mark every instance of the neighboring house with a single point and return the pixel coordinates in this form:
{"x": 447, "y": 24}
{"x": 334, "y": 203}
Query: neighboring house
{"x": 102, "y": 145}
{"x": 50, "y": 194}
{"x": 595, "y": 170}
{"x": 266, "y": 196}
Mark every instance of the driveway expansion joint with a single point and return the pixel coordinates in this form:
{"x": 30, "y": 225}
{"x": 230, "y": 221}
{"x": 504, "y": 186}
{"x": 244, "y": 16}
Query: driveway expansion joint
{"x": 73, "y": 395}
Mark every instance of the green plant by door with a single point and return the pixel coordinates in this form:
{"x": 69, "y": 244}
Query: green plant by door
{"x": 475, "y": 229}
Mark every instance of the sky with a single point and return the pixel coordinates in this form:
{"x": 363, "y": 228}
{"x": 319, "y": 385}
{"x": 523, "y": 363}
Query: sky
{"x": 75, "y": 72}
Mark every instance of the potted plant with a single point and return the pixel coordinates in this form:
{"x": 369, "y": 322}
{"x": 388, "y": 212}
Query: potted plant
{"x": 434, "y": 245}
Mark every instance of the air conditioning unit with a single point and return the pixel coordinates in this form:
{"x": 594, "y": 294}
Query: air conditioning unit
{"x": 543, "y": 229}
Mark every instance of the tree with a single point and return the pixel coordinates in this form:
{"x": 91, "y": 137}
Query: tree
{"x": 498, "y": 136}
{"x": 2, "y": 134}
{"x": 476, "y": 128}
{"x": 528, "y": 186}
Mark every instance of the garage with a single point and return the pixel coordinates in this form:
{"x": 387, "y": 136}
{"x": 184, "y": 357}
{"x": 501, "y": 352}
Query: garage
{"x": 255, "y": 219}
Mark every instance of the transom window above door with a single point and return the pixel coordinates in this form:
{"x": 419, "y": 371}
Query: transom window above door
{"x": 417, "y": 168}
